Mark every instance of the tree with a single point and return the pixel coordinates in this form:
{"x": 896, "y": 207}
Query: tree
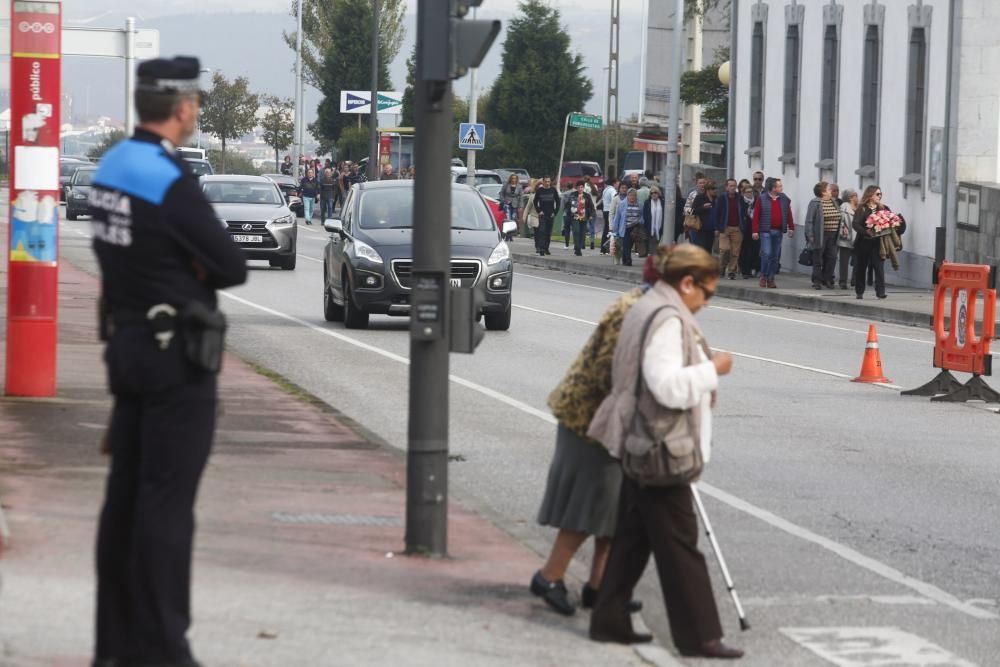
{"x": 278, "y": 124}
{"x": 109, "y": 140}
{"x": 702, "y": 87}
{"x": 236, "y": 162}
{"x": 408, "y": 117}
{"x": 353, "y": 143}
{"x": 540, "y": 82}
{"x": 229, "y": 111}
{"x": 347, "y": 66}
{"x": 320, "y": 30}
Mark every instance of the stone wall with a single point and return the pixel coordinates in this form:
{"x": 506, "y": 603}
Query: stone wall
{"x": 980, "y": 245}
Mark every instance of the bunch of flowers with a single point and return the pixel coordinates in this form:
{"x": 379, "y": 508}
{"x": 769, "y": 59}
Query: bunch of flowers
{"x": 882, "y": 220}
{"x": 580, "y": 214}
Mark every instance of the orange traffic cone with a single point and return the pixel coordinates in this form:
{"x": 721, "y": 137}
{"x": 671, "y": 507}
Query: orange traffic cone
{"x": 871, "y": 366}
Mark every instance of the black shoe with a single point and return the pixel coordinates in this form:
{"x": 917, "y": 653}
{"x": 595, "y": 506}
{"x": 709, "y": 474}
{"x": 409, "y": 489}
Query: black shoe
{"x": 858, "y": 297}
{"x": 631, "y": 638}
{"x": 880, "y": 296}
{"x": 578, "y": 253}
{"x": 712, "y": 649}
{"x": 588, "y": 597}
{"x": 843, "y": 285}
{"x": 591, "y": 245}
{"x": 548, "y": 252}
{"x": 817, "y": 286}
{"x": 554, "y": 594}
{"x": 732, "y": 276}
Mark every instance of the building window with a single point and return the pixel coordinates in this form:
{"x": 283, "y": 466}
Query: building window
{"x": 916, "y": 99}
{"x": 757, "y": 87}
{"x": 870, "y": 92}
{"x": 831, "y": 87}
{"x": 793, "y": 63}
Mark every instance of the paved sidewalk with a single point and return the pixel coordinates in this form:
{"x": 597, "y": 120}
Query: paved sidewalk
{"x": 300, "y": 528}
{"x": 904, "y": 305}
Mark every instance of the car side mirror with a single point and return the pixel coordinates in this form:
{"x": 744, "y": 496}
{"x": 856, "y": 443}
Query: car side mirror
{"x": 509, "y": 227}
{"x": 333, "y": 225}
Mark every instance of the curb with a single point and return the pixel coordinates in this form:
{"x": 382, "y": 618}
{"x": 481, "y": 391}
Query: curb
{"x": 738, "y": 293}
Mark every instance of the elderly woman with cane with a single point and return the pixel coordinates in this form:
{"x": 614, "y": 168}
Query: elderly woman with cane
{"x": 581, "y": 495}
{"x": 658, "y": 421}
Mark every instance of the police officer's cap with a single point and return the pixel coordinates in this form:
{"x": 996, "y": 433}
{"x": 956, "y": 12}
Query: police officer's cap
{"x": 169, "y": 75}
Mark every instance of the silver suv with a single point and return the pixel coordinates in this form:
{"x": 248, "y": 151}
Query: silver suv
{"x": 256, "y": 215}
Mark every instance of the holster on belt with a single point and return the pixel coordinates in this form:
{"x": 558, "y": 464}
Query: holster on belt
{"x": 203, "y": 332}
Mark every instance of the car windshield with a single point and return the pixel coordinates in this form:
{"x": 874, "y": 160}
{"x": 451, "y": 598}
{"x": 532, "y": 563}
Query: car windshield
{"x": 200, "y": 167}
{"x": 491, "y": 190}
{"x": 84, "y": 176}
{"x": 241, "y": 192}
{"x": 67, "y": 168}
{"x": 392, "y": 208}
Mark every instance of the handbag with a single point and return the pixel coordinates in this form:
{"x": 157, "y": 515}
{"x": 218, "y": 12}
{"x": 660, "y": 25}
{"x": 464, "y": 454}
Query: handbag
{"x": 806, "y": 257}
{"x": 692, "y": 222}
{"x": 670, "y": 460}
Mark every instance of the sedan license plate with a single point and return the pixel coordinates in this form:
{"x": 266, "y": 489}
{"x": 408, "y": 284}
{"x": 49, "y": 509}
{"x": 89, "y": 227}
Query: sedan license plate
{"x": 243, "y": 238}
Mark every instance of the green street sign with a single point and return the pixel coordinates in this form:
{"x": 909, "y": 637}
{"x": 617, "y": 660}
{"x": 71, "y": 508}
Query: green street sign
{"x": 586, "y": 121}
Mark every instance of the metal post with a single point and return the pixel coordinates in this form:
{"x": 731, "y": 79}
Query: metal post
{"x": 673, "y": 128}
{"x": 129, "y": 76}
{"x": 611, "y": 124}
{"x": 427, "y": 436}
{"x": 296, "y": 145}
{"x": 562, "y": 151}
{"x": 373, "y": 166}
{"x": 642, "y": 60}
{"x": 470, "y": 158}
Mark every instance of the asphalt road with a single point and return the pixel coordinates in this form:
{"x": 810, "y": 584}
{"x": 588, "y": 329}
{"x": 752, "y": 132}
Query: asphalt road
{"x": 860, "y": 526}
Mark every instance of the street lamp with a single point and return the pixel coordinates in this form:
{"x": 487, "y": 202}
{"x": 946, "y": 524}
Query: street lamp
{"x": 724, "y": 73}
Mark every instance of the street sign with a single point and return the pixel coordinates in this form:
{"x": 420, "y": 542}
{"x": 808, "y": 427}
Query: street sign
{"x": 360, "y": 101}
{"x": 103, "y": 42}
{"x": 472, "y": 136}
{"x": 585, "y": 120}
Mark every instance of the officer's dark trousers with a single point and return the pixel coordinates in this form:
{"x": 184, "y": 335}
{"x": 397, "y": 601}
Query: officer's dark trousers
{"x": 160, "y": 442}
{"x": 661, "y": 520}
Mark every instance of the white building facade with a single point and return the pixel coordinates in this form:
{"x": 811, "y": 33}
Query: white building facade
{"x": 903, "y": 94}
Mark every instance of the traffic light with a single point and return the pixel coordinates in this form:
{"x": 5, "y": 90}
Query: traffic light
{"x": 454, "y": 44}
{"x": 466, "y": 331}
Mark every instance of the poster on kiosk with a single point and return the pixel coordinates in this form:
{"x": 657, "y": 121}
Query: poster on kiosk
{"x": 33, "y": 233}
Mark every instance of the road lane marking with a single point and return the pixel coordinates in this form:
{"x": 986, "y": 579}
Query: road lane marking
{"x": 468, "y": 384}
{"x": 311, "y": 259}
{"x": 847, "y": 553}
{"x": 854, "y": 647}
{"x": 754, "y": 357}
{"x": 742, "y": 311}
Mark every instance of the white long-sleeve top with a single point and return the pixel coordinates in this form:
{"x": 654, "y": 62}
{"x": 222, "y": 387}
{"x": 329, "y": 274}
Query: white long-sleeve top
{"x": 675, "y": 385}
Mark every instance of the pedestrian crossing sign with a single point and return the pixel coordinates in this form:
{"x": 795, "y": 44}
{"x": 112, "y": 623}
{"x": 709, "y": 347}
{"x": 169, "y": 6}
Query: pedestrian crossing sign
{"x": 472, "y": 136}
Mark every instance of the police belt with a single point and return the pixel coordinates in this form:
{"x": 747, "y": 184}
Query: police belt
{"x": 201, "y": 329}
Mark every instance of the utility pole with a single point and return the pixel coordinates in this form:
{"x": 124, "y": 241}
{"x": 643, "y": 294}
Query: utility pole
{"x": 611, "y": 125}
{"x": 470, "y": 157}
{"x": 297, "y": 141}
{"x": 673, "y": 129}
{"x": 643, "y": 57}
{"x": 446, "y": 48}
{"x": 129, "y": 76}
{"x": 373, "y": 157}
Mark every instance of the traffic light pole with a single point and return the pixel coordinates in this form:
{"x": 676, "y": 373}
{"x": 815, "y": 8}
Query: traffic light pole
{"x": 673, "y": 130}
{"x": 427, "y": 441}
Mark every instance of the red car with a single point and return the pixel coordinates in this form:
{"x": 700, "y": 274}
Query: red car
{"x": 575, "y": 171}
{"x": 498, "y": 213}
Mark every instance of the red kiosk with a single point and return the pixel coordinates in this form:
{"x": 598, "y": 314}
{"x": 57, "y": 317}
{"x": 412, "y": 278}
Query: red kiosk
{"x": 33, "y": 233}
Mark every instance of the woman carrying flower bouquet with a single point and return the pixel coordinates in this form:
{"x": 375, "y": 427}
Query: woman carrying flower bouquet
{"x": 579, "y": 210}
{"x": 874, "y": 222}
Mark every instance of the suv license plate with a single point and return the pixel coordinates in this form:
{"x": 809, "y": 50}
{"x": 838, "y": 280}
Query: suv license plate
{"x": 243, "y": 238}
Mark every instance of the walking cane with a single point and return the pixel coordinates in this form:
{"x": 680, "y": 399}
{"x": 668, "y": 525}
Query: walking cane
{"x": 744, "y": 625}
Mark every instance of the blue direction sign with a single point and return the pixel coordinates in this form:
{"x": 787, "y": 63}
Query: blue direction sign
{"x": 472, "y": 136}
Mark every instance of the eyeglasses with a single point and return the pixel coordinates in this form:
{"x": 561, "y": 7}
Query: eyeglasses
{"x": 707, "y": 293}
{"x": 878, "y": 194}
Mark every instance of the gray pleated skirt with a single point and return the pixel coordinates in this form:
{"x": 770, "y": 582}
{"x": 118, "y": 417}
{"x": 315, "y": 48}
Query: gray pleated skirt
{"x": 581, "y": 493}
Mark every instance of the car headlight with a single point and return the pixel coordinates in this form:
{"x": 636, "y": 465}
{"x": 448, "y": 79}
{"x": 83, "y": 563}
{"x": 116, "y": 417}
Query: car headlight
{"x": 285, "y": 220}
{"x": 365, "y": 251}
{"x": 79, "y": 195}
{"x": 499, "y": 254}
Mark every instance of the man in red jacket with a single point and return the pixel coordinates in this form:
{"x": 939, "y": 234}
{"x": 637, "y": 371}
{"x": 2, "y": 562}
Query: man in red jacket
{"x": 772, "y": 218}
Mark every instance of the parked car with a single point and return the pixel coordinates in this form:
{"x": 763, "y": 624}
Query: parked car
{"x": 461, "y": 174}
{"x": 522, "y": 174}
{"x": 67, "y": 166}
{"x": 491, "y": 193}
{"x": 256, "y": 215}
{"x": 368, "y": 261}
{"x": 78, "y": 192}
{"x": 200, "y": 167}
{"x": 290, "y": 189}
{"x": 189, "y": 153}
{"x": 575, "y": 171}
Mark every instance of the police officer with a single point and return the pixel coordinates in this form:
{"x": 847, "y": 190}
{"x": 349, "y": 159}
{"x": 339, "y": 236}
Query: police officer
{"x": 163, "y": 254}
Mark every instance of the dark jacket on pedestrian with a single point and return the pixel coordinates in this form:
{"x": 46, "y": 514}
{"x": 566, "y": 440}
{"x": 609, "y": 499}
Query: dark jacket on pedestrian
{"x": 309, "y": 187}
{"x": 863, "y": 241}
{"x": 570, "y": 206}
{"x": 720, "y": 212}
{"x": 546, "y": 201}
{"x": 813, "y": 226}
{"x": 327, "y": 186}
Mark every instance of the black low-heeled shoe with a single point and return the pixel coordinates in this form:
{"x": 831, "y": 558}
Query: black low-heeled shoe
{"x": 713, "y": 649}
{"x": 588, "y": 597}
{"x": 631, "y": 638}
{"x": 554, "y": 593}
